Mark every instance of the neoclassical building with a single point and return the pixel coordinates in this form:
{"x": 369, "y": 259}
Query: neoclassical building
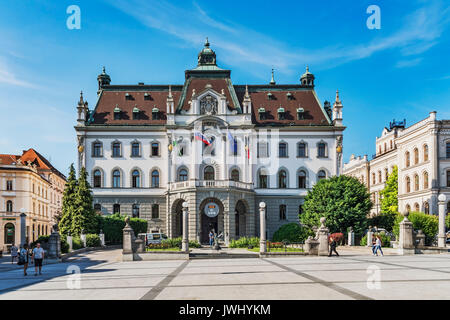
{"x": 422, "y": 154}
{"x": 29, "y": 184}
{"x": 221, "y": 147}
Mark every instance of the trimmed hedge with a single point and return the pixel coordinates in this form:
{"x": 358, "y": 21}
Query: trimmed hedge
{"x": 292, "y": 232}
{"x": 428, "y": 223}
{"x": 113, "y": 225}
{"x": 93, "y": 240}
{"x": 245, "y": 242}
{"x": 174, "y": 243}
{"x": 77, "y": 243}
{"x": 64, "y": 246}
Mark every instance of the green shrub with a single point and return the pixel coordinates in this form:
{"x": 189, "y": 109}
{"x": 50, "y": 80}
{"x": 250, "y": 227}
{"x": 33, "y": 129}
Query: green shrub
{"x": 245, "y": 242}
{"x": 77, "y": 243}
{"x": 64, "y": 246}
{"x": 112, "y": 226}
{"x": 93, "y": 240}
{"x": 175, "y": 243}
{"x": 292, "y": 232}
{"x": 428, "y": 223}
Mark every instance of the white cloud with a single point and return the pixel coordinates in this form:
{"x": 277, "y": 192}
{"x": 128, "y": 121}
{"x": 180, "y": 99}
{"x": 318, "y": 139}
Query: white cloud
{"x": 10, "y": 78}
{"x": 408, "y": 63}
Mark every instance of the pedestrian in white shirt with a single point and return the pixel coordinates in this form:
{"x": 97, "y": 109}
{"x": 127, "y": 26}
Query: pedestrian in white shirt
{"x": 38, "y": 256}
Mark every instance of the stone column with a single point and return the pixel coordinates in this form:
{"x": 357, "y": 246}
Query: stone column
{"x": 185, "y": 241}
{"x": 441, "y": 235}
{"x": 262, "y": 227}
{"x": 406, "y": 242}
{"x": 323, "y": 238}
{"x": 128, "y": 238}
{"x": 83, "y": 238}
{"x": 23, "y": 228}
{"x": 54, "y": 244}
{"x": 369, "y": 237}
{"x": 351, "y": 238}
{"x": 102, "y": 238}
{"x": 70, "y": 242}
{"x": 224, "y": 158}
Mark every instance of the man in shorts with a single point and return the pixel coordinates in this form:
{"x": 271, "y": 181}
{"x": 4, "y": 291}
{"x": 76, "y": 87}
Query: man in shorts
{"x": 38, "y": 256}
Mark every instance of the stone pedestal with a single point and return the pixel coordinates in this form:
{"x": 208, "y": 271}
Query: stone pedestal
{"x": 369, "y": 237}
{"x": 406, "y": 242}
{"x": 70, "y": 242}
{"x": 128, "y": 239}
{"x": 441, "y": 235}
{"x": 54, "y": 246}
{"x": 185, "y": 241}
{"x": 23, "y": 229}
{"x": 351, "y": 238}
{"x": 312, "y": 246}
{"x": 420, "y": 238}
{"x": 83, "y": 239}
{"x": 323, "y": 239}
{"x": 262, "y": 228}
{"x": 102, "y": 238}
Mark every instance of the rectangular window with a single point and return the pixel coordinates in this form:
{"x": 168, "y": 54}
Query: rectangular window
{"x": 155, "y": 211}
{"x": 262, "y": 116}
{"x": 281, "y": 116}
{"x": 448, "y": 178}
{"x": 282, "y": 150}
{"x": 263, "y": 149}
{"x": 155, "y": 149}
{"x": 135, "y": 150}
{"x": 97, "y": 149}
{"x": 263, "y": 181}
{"x": 301, "y": 150}
{"x": 448, "y": 150}
{"x": 116, "y": 150}
{"x": 282, "y": 212}
{"x": 156, "y": 116}
{"x": 9, "y": 185}
{"x": 300, "y": 115}
{"x": 321, "y": 152}
{"x": 117, "y": 115}
{"x": 116, "y": 208}
{"x": 136, "y": 115}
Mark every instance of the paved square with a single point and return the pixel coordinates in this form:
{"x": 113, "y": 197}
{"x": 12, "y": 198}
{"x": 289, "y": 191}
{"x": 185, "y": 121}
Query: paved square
{"x": 104, "y": 276}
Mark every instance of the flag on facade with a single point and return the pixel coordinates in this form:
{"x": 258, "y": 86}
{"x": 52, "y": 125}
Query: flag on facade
{"x": 199, "y": 136}
{"x": 233, "y": 143}
{"x": 248, "y": 151}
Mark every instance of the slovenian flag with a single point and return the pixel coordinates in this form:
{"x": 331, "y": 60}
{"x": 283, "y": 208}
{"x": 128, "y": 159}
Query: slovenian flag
{"x": 199, "y": 136}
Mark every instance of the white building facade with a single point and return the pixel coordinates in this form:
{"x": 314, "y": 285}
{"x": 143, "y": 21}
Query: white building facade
{"x": 223, "y": 148}
{"x": 422, "y": 154}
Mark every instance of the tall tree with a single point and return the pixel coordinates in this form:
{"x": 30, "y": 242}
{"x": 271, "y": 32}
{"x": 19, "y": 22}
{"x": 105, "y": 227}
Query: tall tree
{"x": 344, "y": 201}
{"x": 68, "y": 202}
{"x": 84, "y": 217}
{"x": 389, "y": 203}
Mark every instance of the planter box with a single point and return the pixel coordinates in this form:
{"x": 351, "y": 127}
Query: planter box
{"x": 163, "y": 255}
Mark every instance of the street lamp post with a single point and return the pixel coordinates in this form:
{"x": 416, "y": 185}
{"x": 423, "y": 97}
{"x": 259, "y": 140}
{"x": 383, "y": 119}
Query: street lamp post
{"x": 185, "y": 242}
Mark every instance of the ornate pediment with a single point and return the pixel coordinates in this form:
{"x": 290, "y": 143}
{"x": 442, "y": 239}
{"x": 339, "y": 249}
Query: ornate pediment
{"x": 208, "y": 105}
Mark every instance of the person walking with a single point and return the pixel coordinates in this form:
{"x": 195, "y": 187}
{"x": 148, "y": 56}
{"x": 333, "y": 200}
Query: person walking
{"x": 211, "y": 238}
{"x": 378, "y": 244}
{"x": 333, "y": 245}
{"x": 374, "y": 246}
{"x": 14, "y": 251}
{"x": 23, "y": 258}
{"x": 38, "y": 256}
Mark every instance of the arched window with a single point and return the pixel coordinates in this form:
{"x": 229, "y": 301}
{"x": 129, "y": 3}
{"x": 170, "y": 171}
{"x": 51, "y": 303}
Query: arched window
{"x": 116, "y": 149}
{"x": 379, "y": 176}
{"x": 390, "y": 143}
{"x": 135, "y": 179}
{"x": 10, "y": 233}
{"x": 282, "y": 212}
{"x": 9, "y": 206}
{"x": 98, "y": 208}
{"x": 235, "y": 175}
{"x": 416, "y": 156}
{"x": 425, "y": 180}
{"x": 282, "y": 150}
{"x": 408, "y": 185}
{"x": 208, "y": 173}
{"x": 282, "y": 179}
{"x": 116, "y": 208}
{"x": 300, "y": 209}
{"x": 302, "y": 179}
{"x": 321, "y": 175}
{"x": 301, "y": 150}
{"x": 425, "y": 152}
{"x": 182, "y": 175}
{"x": 155, "y": 211}
{"x": 426, "y": 208}
{"x": 262, "y": 179}
{"x": 135, "y": 210}
{"x": 416, "y": 182}
{"x": 408, "y": 208}
{"x": 385, "y": 147}
{"x": 407, "y": 159}
{"x": 379, "y": 149}
{"x": 416, "y": 207}
{"x": 155, "y": 179}
{"x": 373, "y": 178}
{"x": 321, "y": 150}
{"x": 97, "y": 179}
{"x": 116, "y": 179}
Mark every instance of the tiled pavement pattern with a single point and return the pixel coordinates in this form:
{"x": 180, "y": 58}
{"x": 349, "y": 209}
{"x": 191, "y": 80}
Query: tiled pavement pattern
{"x": 104, "y": 276}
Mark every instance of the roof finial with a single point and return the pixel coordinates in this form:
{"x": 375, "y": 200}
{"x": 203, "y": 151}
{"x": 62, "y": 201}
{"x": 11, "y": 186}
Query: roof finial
{"x": 206, "y": 42}
{"x": 272, "y": 80}
{"x": 103, "y": 70}
{"x": 170, "y": 91}
{"x": 307, "y": 68}
{"x": 246, "y": 92}
{"x": 337, "y": 96}
{"x": 81, "y": 96}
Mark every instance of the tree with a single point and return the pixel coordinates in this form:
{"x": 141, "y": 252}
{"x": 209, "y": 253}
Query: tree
{"x": 344, "y": 201}
{"x": 84, "y": 216}
{"x": 68, "y": 202}
{"x": 389, "y": 203}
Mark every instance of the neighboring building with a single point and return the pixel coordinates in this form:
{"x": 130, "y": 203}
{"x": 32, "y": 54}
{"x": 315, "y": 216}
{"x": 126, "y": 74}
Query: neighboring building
{"x": 222, "y": 147}
{"x": 28, "y": 184}
{"x": 422, "y": 154}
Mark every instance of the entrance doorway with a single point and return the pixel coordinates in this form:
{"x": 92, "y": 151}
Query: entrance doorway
{"x": 10, "y": 233}
{"x": 240, "y": 220}
{"x": 208, "y": 224}
{"x": 211, "y": 218}
{"x": 178, "y": 229}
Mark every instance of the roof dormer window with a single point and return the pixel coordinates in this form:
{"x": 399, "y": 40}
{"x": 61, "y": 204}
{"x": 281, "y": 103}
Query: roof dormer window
{"x": 289, "y": 96}
{"x": 270, "y": 96}
{"x": 117, "y": 113}
{"x": 300, "y": 113}
{"x": 136, "y": 113}
{"x": 146, "y": 96}
{"x": 262, "y": 114}
{"x": 155, "y": 114}
{"x": 128, "y": 96}
{"x": 281, "y": 113}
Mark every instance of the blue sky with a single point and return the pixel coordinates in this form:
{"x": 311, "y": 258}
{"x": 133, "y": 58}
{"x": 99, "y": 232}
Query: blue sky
{"x": 399, "y": 71}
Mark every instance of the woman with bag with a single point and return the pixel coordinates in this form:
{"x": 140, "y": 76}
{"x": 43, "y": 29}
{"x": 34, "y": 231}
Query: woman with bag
{"x": 23, "y": 258}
